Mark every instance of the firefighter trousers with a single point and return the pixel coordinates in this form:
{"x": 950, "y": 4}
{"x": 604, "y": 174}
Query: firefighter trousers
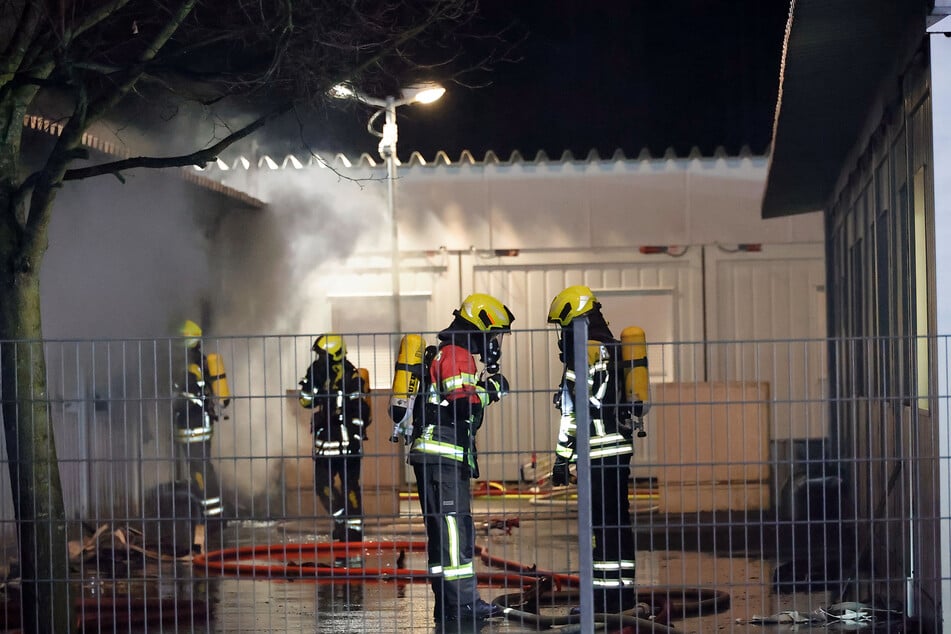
{"x": 203, "y": 486}
{"x": 193, "y": 434}
{"x": 614, "y": 545}
{"x": 344, "y": 503}
{"x": 445, "y": 499}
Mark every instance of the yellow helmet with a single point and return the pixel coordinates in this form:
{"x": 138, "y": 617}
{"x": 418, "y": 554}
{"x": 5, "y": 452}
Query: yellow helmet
{"x": 191, "y": 331}
{"x": 485, "y": 313}
{"x": 333, "y": 345}
{"x": 572, "y": 302}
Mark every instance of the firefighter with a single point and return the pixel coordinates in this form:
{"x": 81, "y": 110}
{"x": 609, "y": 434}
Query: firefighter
{"x": 338, "y": 395}
{"x": 443, "y": 452}
{"x": 202, "y": 391}
{"x": 611, "y": 445}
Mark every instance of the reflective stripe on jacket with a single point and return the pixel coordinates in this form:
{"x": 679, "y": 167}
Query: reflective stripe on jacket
{"x": 338, "y": 396}
{"x": 453, "y": 378}
{"x": 603, "y": 395}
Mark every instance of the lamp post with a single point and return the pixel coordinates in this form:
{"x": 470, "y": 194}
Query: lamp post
{"x": 417, "y": 93}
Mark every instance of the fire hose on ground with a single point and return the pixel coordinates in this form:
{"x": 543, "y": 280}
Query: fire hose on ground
{"x": 538, "y": 588}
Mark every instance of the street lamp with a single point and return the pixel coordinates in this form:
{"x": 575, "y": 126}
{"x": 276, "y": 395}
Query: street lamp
{"x": 418, "y": 93}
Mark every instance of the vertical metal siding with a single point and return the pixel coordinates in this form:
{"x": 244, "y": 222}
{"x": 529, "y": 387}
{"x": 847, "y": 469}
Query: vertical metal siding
{"x": 769, "y": 310}
{"x": 885, "y": 442}
{"x": 528, "y": 290}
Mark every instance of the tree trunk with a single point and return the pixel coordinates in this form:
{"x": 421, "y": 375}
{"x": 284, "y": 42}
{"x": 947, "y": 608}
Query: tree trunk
{"x": 34, "y": 471}
{"x": 24, "y": 404}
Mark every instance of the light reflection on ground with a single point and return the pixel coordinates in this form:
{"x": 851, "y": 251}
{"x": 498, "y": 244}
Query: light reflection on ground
{"x": 547, "y": 540}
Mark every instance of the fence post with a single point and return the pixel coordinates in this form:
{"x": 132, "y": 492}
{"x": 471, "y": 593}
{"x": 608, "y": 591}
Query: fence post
{"x": 583, "y": 451}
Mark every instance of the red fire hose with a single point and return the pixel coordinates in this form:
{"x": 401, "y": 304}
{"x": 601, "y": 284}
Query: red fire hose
{"x": 300, "y": 562}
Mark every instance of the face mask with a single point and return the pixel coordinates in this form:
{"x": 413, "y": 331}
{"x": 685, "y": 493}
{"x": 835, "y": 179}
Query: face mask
{"x": 565, "y": 345}
{"x": 493, "y": 354}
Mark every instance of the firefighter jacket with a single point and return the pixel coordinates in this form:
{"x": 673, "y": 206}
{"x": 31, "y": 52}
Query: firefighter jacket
{"x": 338, "y": 396}
{"x": 611, "y": 429}
{"x": 198, "y": 407}
{"x": 453, "y": 410}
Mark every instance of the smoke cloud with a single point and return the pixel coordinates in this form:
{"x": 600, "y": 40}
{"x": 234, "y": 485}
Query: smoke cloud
{"x": 268, "y": 258}
{"x": 269, "y": 265}
{"x": 129, "y": 262}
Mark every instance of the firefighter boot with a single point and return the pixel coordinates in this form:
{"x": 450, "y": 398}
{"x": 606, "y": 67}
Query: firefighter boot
{"x": 484, "y": 610}
{"x": 472, "y": 612}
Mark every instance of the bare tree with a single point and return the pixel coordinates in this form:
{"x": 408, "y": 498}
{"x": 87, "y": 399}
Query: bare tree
{"x": 94, "y": 57}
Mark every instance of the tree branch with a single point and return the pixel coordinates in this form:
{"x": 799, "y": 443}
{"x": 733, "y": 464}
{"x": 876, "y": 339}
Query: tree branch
{"x": 95, "y": 17}
{"x": 113, "y": 97}
{"x": 200, "y": 157}
{"x": 52, "y": 175}
{"x": 40, "y": 51}
{"x": 16, "y": 50}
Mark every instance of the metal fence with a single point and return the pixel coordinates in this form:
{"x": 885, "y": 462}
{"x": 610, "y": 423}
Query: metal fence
{"x": 779, "y": 482}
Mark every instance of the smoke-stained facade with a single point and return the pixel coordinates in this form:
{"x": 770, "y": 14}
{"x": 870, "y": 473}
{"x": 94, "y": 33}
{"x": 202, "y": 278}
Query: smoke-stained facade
{"x": 127, "y": 262}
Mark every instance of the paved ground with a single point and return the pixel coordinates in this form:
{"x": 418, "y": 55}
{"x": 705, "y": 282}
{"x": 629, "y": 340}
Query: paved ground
{"x": 680, "y": 559}
{"x": 546, "y": 537}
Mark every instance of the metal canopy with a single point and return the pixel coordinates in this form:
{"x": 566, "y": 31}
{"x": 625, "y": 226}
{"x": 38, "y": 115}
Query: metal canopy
{"x": 836, "y": 56}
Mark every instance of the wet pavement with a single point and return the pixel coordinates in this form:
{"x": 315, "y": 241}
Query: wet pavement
{"x": 289, "y": 596}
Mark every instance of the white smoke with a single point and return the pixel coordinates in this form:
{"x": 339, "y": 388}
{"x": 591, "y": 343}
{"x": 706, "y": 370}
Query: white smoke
{"x": 267, "y": 256}
{"x": 133, "y": 260}
{"x": 270, "y": 263}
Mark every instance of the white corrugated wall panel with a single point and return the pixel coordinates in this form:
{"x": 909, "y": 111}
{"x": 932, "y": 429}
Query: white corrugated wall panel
{"x": 628, "y": 286}
{"x": 768, "y": 309}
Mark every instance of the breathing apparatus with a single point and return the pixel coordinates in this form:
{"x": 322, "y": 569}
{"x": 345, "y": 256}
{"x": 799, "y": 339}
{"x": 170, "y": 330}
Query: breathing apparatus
{"x": 407, "y": 382}
{"x": 492, "y": 355}
{"x": 636, "y": 375}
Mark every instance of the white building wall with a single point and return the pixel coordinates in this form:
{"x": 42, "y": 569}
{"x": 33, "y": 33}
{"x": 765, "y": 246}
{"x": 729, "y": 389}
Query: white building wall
{"x": 319, "y": 258}
{"x": 659, "y": 295}
{"x": 571, "y": 223}
{"x": 601, "y": 204}
{"x": 770, "y": 307}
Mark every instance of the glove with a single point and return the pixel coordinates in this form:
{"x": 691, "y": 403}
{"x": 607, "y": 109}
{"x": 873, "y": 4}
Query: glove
{"x": 625, "y": 426}
{"x": 475, "y": 421}
{"x": 307, "y": 400}
{"x": 474, "y": 460}
{"x": 496, "y": 386}
{"x": 559, "y": 472}
{"x": 355, "y": 447}
{"x": 556, "y": 400}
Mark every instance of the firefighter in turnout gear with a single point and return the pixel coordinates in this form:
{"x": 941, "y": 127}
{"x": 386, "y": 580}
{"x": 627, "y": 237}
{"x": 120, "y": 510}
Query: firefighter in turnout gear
{"x": 611, "y": 445}
{"x": 443, "y": 451}
{"x": 338, "y": 395}
{"x": 202, "y": 391}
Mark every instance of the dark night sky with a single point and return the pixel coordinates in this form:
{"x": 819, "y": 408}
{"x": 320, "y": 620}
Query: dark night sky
{"x": 603, "y": 75}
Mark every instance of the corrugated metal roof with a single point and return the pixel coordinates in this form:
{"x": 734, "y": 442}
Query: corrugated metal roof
{"x": 48, "y": 126}
{"x": 837, "y": 54}
{"x": 442, "y": 159}
{"x": 365, "y": 160}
